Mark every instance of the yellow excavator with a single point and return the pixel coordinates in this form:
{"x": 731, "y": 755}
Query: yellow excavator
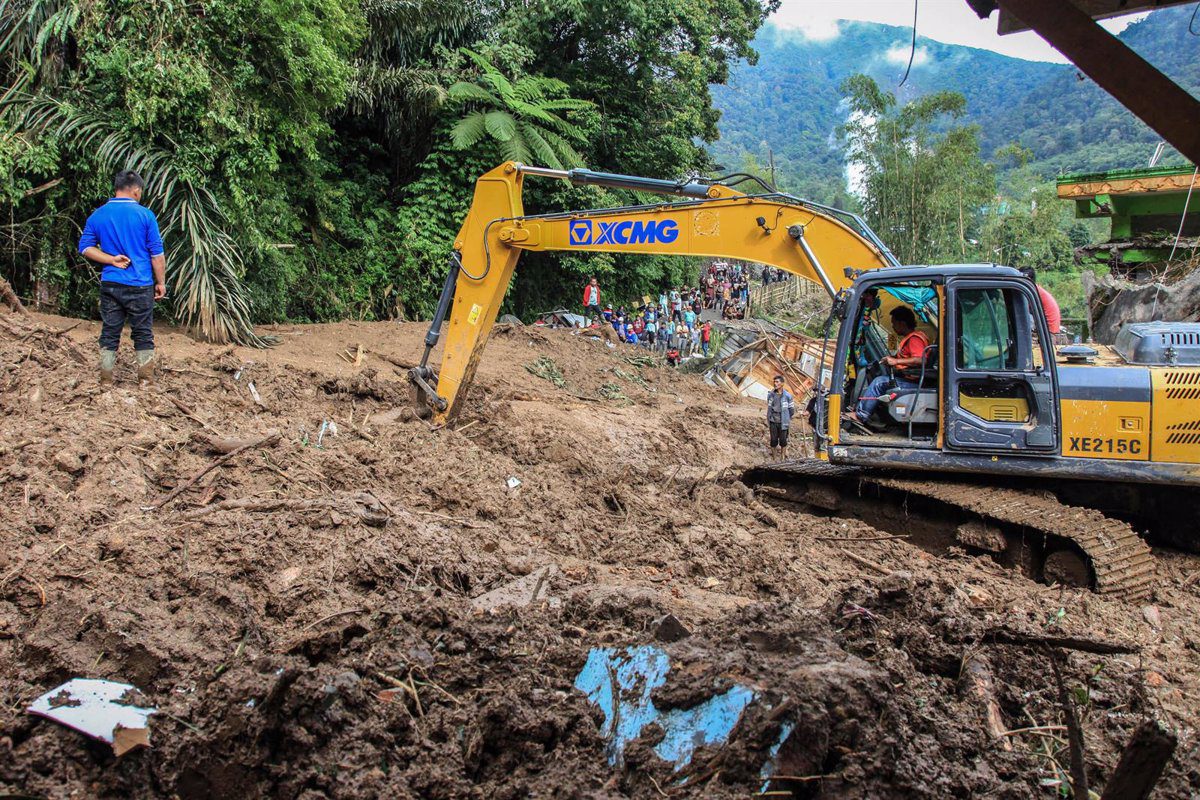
{"x": 1053, "y": 461}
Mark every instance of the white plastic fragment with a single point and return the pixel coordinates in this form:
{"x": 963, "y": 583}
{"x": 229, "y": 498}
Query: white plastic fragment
{"x": 513, "y": 482}
{"x": 327, "y": 426}
{"x": 100, "y": 709}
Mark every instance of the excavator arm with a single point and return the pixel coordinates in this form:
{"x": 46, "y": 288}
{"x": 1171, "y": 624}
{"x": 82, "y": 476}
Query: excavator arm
{"x": 815, "y": 242}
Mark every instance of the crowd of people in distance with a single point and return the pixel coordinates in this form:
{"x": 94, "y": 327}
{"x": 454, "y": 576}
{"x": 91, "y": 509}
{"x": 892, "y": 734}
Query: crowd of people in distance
{"x": 726, "y": 289}
{"x": 671, "y": 325}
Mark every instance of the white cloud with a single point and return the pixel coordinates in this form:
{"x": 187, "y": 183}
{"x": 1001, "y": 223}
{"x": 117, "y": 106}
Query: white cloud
{"x": 950, "y": 21}
{"x": 898, "y": 55}
{"x": 820, "y": 29}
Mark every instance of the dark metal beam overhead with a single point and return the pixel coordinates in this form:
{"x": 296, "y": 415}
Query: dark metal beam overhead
{"x": 1096, "y": 9}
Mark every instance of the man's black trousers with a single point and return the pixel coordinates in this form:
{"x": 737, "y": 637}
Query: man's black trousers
{"x": 779, "y": 435}
{"x": 118, "y": 303}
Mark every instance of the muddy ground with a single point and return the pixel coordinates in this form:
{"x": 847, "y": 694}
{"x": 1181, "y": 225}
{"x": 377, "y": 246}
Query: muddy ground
{"x": 303, "y": 616}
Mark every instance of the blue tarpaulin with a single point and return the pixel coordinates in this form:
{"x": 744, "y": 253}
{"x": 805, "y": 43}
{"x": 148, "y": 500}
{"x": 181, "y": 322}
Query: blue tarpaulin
{"x": 922, "y": 299}
{"x": 632, "y": 673}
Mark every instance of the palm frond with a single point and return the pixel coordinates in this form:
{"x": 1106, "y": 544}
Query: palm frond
{"x": 393, "y": 90}
{"x": 545, "y": 154}
{"x": 500, "y": 125}
{"x": 464, "y": 92}
{"x": 531, "y": 110}
{"x": 468, "y": 130}
{"x": 568, "y": 104}
{"x": 522, "y": 116}
{"x": 529, "y": 90}
{"x": 515, "y": 149}
{"x": 566, "y": 151}
{"x": 205, "y": 259}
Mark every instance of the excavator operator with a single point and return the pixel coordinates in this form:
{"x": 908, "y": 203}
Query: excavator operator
{"x": 909, "y": 354}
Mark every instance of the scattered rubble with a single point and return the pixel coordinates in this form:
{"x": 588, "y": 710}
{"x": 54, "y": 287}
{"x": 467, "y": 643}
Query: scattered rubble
{"x": 308, "y": 614}
{"x": 749, "y": 360}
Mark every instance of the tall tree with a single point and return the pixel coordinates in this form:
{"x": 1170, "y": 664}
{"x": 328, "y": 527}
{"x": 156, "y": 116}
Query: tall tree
{"x": 920, "y": 178}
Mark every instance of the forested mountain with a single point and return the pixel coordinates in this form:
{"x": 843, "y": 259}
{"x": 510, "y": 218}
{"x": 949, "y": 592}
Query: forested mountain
{"x": 791, "y": 99}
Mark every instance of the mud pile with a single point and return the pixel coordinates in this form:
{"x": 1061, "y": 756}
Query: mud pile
{"x": 352, "y": 605}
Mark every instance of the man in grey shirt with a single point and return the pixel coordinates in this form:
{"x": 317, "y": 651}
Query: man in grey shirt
{"x": 780, "y": 408}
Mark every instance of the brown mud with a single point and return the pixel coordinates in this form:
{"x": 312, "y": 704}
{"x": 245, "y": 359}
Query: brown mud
{"x": 302, "y": 614}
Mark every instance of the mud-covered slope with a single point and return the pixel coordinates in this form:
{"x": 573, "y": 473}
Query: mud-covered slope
{"x": 302, "y": 614}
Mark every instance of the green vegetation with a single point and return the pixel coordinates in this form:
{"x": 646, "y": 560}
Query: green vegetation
{"x": 922, "y": 189}
{"x": 927, "y": 192}
{"x": 521, "y": 117}
{"x": 958, "y": 164}
{"x": 313, "y": 159}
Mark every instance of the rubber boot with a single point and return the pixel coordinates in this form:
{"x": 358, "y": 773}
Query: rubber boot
{"x": 783, "y": 454}
{"x": 774, "y": 454}
{"x": 108, "y": 360}
{"x": 146, "y": 365}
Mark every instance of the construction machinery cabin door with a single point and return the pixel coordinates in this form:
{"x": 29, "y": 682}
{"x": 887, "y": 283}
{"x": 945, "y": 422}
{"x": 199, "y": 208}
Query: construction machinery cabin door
{"x": 1000, "y": 381}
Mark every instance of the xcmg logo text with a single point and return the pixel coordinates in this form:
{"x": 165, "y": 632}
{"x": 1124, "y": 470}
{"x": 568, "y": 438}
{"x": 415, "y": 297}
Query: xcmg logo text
{"x": 653, "y": 231}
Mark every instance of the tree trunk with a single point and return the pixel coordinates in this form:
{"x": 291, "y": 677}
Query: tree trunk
{"x": 10, "y": 297}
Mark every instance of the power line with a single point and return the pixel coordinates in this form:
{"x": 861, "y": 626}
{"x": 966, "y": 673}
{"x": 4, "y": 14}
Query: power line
{"x": 1183, "y": 216}
{"x": 912, "y": 52}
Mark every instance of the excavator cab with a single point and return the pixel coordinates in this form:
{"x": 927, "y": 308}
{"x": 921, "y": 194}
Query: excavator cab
{"x": 908, "y": 407}
{"x": 986, "y": 381}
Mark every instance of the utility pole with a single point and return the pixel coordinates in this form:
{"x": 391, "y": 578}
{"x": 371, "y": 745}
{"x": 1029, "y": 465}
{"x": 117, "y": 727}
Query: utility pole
{"x": 771, "y": 161}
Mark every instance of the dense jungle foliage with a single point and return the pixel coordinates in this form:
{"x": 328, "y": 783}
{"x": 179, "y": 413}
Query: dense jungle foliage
{"x": 313, "y": 159}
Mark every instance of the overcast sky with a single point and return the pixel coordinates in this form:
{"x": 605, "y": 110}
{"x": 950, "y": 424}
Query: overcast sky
{"x": 950, "y": 21}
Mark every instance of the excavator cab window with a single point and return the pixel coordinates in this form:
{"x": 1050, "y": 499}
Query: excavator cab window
{"x": 987, "y": 340}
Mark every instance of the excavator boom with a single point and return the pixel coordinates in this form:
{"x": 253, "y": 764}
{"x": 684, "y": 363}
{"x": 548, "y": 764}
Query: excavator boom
{"x": 812, "y": 241}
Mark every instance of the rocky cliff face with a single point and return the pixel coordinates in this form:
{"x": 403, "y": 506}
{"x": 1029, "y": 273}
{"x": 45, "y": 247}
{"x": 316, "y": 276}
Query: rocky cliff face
{"x": 1112, "y": 302}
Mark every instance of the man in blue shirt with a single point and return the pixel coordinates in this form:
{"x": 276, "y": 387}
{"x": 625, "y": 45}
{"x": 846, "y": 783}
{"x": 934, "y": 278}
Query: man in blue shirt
{"x": 122, "y": 235}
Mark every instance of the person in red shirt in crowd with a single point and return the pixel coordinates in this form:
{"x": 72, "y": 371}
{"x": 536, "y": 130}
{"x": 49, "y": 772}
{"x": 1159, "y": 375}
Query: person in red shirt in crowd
{"x": 1049, "y": 304}
{"x": 705, "y": 337}
{"x": 906, "y": 364}
{"x": 591, "y": 298}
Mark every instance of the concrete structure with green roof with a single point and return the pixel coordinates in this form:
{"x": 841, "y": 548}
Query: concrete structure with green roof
{"x": 1145, "y": 207}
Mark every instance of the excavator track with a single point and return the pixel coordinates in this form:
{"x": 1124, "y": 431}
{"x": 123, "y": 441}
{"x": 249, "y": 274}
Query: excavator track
{"x": 1117, "y": 560}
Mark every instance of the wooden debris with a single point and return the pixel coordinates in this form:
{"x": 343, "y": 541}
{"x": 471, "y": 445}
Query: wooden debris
{"x": 1096, "y": 646}
{"x": 353, "y": 356}
{"x": 519, "y": 593}
{"x": 266, "y": 441}
{"x": 221, "y": 445}
{"x": 10, "y": 297}
{"x": 1142, "y": 763}
{"x": 865, "y": 562}
{"x": 981, "y": 685}
{"x": 402, "y": 363}
{"x": 1079, "y": 778}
